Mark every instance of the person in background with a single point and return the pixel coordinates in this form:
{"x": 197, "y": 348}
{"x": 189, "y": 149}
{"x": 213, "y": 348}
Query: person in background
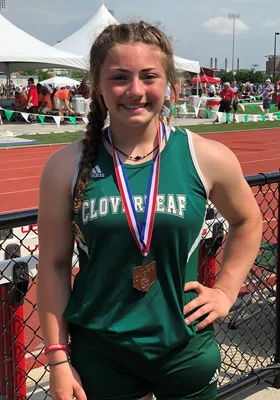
{"x": 212, "y": 90}
{"x": 2, "y": 91}
{"x": 227, "y": 97}
{"x": 268, "y": 91}
{"x": 32, "y": 100}
{"x": 167, "y": 103}
{"x": 40, "y": 95}
{"x": 46, "y": 103}
{"x": 20, "y": 101}
{"x": 61, "y": 99}
{"x": 235, "y": 99}
{"x": 83, "y": 89}
{"x": 278, "y": 94}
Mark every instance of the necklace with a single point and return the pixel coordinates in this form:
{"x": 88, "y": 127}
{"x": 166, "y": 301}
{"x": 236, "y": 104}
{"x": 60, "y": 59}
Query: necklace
{"x": 136, "y": 158}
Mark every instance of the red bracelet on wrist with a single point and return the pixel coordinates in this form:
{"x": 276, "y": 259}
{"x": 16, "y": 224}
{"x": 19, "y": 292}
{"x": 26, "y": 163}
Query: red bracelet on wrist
{"x": 58, "y": 346}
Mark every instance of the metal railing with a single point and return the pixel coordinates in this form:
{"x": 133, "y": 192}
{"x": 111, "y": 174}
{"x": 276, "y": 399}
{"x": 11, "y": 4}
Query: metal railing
{"x": 249, "y": 345}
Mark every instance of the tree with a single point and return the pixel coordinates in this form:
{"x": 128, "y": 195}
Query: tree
{"x": 257, "y": 77}
{"x": 225, "y": 76}
{"x": 42, "y": 75}
{"x": 243, "y": 75}
{"x": 78, "y": 74}
{"x": 30, "y": 72}
{"x": 277, "y": 77}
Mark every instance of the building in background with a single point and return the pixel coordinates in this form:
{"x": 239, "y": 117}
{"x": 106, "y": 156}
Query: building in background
{"x": 18, "y": 80}
{"x": 270, "y": 65}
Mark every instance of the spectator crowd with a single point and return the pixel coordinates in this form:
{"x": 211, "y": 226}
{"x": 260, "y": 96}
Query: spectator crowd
{"x": 43, "y": 99}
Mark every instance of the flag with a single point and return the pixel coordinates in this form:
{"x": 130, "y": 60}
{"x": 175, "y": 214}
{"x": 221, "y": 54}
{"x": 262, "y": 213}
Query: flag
{"x": 74, "y": 121}
{"x": 42, "y": 119}
{"x": 8, "y": 114}
{"x": 57, "y": 120}
{"x": 219, "y": 116}
{"x": 25, "y": 116}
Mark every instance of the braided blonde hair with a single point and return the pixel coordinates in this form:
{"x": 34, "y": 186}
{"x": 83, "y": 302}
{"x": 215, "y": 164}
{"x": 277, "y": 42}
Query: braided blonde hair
{"x": 113, "y": 35}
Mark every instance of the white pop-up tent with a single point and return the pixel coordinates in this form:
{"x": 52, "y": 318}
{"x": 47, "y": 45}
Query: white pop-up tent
{"x": 187, "y": 65}
{"x": 57, "y": 81}
{"x": 80, "y": 42}
{"x": 20, "y": 51}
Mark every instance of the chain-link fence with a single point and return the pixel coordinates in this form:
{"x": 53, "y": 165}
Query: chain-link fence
{"x": 247, "y": 337}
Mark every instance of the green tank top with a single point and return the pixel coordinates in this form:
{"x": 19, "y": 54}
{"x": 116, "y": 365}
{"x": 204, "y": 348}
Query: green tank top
{"x": 103, "y": 298}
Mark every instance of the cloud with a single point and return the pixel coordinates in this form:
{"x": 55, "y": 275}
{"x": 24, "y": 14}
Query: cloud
{"x": 271, "y": 22}
{"x": 223, "y": 26}
{"x": 44, "y": 15}
{"x": 226, "y": 10}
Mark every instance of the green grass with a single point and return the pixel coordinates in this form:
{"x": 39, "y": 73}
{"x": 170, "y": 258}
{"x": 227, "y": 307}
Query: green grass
{"x": 248, "y": 109}
{"x": 68, "y": 137}
{"x": 213, "y": 128}
{"x": 53, "y": 138}
{"x": 257, "y": 109}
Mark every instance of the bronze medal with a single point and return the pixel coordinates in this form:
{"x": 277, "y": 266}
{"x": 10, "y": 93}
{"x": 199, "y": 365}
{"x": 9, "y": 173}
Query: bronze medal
{"x": 145, "y": 276}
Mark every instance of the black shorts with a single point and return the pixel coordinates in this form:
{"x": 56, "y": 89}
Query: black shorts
{"x": 235, "y": 105}
{"x": 225, "y": 106}
{"x": 32, "y": 110}
{"x": 108, "y": 372}
{"x": 266, "y": 104}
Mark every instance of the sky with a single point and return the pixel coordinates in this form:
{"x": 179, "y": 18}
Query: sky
{"x": 200, "y": 29}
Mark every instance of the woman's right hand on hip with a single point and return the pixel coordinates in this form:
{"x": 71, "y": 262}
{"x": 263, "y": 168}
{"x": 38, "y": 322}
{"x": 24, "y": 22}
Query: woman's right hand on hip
{"x": 65, "y": 383}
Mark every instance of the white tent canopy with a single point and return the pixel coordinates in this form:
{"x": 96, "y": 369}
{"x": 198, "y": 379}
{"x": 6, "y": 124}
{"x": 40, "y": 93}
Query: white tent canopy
{"x": 20, "y": 51}
{"x": 80, "y": 42}
{"x": 187, "y": 65}
{"x": 60, "y": 81}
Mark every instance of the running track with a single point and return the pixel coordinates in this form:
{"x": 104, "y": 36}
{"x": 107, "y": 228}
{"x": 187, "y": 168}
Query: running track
{"x": 20, "y": 168}
{"x": 20, "y": 171}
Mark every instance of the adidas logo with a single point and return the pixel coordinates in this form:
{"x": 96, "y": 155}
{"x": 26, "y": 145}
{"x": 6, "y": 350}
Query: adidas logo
{"x": 215, "y": 377}
{"x": 96, "y": 172}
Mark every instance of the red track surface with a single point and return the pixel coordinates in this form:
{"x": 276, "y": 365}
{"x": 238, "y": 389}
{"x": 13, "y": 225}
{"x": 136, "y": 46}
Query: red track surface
{"x": 20, "y": 171}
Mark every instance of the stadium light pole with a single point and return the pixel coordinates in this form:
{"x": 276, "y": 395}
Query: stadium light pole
{"x": 233, "y": 17}
{"x": 274, "y": 59}
{"x": 2, "y": 4}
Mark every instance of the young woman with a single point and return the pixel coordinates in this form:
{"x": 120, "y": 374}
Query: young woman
{"x": 135, "y": 195}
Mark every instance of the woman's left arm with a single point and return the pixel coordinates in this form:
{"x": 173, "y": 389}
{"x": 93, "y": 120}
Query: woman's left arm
{"x": 233, "y": 197}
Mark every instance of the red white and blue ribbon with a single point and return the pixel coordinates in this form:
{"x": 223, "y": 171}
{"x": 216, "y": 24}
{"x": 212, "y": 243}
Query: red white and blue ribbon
{"x": 142, "y": 235}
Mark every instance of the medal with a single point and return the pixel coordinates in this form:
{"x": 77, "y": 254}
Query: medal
{"x": 143, "y": 276}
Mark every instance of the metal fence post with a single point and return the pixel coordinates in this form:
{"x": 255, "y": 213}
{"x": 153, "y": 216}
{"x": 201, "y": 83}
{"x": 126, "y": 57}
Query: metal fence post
{"x": 12, "y": 350}
{"x": 3, "y": 318}
{"x": 18, "y": 352}
{"x": 7, "y": 390}
{"x": 277, "y": 329}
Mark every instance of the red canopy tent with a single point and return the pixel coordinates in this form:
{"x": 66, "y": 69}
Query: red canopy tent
{"x": 206, "y": 79}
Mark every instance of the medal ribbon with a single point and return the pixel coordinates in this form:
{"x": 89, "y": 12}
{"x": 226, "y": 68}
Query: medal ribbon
{"x": 142, "y": 236}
